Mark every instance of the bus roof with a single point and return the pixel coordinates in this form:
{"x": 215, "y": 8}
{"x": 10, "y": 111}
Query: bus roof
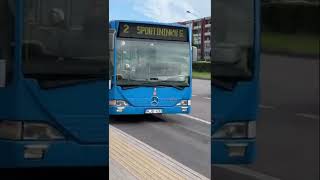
{"x": 149, "y": 22}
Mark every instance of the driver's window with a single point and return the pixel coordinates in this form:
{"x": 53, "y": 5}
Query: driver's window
{"x": 111, "y": 64}
{"x": 233, "y": 37}
{"x": 6, "y": 37}
{"x": 68, "y": 42}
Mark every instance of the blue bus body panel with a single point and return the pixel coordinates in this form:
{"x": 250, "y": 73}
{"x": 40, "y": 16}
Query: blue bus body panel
{"x": 141, "y": 96}
{"x": 139, "y": 99}
{"x": 78, "y": 111}
{"x": 234, "y": 106}
{"x": 59, "y": 154}
{"x": 78, "y": 108}
{"x": 238, "y": 105}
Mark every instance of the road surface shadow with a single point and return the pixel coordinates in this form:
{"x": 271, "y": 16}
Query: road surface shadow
{"x": 218, "y": 173}
{"x": 135, "y": 119}
{"x": 55, "y": 173}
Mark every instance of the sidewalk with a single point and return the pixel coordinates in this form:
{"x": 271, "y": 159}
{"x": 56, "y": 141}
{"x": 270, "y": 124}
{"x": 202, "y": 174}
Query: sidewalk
{"x": 132, "y": 159}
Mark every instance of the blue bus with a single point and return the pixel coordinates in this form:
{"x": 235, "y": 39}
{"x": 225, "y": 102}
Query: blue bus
{"x": 235, "y": 81}
{"x": 53, "y": 79}
{"x": 150, "y": 68}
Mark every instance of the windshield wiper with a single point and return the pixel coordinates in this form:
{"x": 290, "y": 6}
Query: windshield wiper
{"x": 154, "y": 79}
{"x": 131, "y": 86}
{"x": 134, "y": 84}
{"x": 171, "y": 85}
{"x": 151, "y": 84}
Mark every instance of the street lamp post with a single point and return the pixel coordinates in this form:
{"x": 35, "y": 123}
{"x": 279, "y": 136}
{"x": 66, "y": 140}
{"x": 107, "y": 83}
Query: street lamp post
{"x": 189, "y": 12}
{"x": 202, "y": 33}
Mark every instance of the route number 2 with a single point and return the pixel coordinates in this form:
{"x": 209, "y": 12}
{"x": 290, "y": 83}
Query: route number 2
{"x": 126, "y": 28}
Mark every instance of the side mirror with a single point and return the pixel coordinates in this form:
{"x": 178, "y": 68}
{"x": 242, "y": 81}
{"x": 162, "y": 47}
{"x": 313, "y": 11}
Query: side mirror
{"x": 2, "y": 73}
{"x": 194, "y": 53}
{"x": 112, "y": 33}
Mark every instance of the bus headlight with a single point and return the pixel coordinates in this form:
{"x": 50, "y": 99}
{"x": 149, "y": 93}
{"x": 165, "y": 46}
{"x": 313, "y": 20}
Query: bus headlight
{"x": 18, "y": 130}
{"x": 119, "y": 103}
{"x": 40, "y": 131}
{"x": 10, "y": 130}
{"x": 237, "y": 130}
{"x": 184, "y": 103}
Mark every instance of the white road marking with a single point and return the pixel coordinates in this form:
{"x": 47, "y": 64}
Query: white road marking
{"x": 247, "y": 172}
{"x": 195, "y": 118}
{"x": 196, "y": 132}
{"x": 207, "y": 98}
{"x": 310, "y": 116}
{"x": 194, "y": 95}
{"x": 265, "y": 106}
{"x": 185, "y": 127}
{"x": 305, "y": 115}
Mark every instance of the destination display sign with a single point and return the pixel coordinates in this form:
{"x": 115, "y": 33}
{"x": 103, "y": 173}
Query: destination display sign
{"x": 152, "y": 31}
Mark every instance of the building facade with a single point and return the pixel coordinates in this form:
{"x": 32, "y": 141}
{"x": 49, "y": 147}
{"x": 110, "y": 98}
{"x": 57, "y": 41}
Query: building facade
{"x": 201, "y": 36}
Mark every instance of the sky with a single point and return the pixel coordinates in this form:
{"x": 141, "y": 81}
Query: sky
{"x": 159, "y": 10}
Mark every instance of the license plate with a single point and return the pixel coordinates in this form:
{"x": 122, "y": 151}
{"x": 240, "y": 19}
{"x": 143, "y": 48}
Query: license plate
{"x": 153, "y": 111}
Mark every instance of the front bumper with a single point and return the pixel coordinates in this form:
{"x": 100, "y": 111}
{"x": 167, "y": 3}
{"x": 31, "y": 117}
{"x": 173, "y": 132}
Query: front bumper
{"x": 221, "y": 151}
{"x": 130, "y": 110}
{"x": 58, "y": 154}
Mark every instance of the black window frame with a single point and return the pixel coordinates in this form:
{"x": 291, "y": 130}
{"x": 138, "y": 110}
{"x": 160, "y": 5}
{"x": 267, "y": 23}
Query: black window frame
{"x": 66, "y": 73}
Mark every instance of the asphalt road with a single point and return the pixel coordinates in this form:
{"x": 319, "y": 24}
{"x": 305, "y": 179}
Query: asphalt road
{"x": 184, "y": 138}
{"x": 288, "y": 125}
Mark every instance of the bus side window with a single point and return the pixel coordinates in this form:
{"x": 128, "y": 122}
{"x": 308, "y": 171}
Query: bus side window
{"x": 6, "y": 29}
{"x": 111, "y": 65}
{"x": 111, "y": 53}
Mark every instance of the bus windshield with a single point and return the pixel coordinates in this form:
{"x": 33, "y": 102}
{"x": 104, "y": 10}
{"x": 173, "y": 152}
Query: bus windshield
{"x": 141, "y": 61}
{"x": 65, "y": 39}
{"x": 234, "y": 24}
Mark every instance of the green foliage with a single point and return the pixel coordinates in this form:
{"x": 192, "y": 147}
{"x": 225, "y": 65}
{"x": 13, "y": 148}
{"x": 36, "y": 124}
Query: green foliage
{"x": 201, "y": 66}
{"x": 291, "y": 44}
{"x": 290, "y": 18}
{"x": 201, "y": 75}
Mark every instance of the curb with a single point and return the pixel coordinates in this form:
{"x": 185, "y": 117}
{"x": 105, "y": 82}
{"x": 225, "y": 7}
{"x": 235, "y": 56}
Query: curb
{"x": 290, "y": 54}
{"x": 201, "y": 78}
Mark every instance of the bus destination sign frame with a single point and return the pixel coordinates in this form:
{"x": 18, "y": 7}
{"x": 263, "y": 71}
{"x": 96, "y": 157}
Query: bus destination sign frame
{"x": 153, "y": 31}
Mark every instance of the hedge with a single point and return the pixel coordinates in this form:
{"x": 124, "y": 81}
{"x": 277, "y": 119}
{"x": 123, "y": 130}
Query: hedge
{"x": 290, "y": 18}
{"x": 201, "y": 66}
